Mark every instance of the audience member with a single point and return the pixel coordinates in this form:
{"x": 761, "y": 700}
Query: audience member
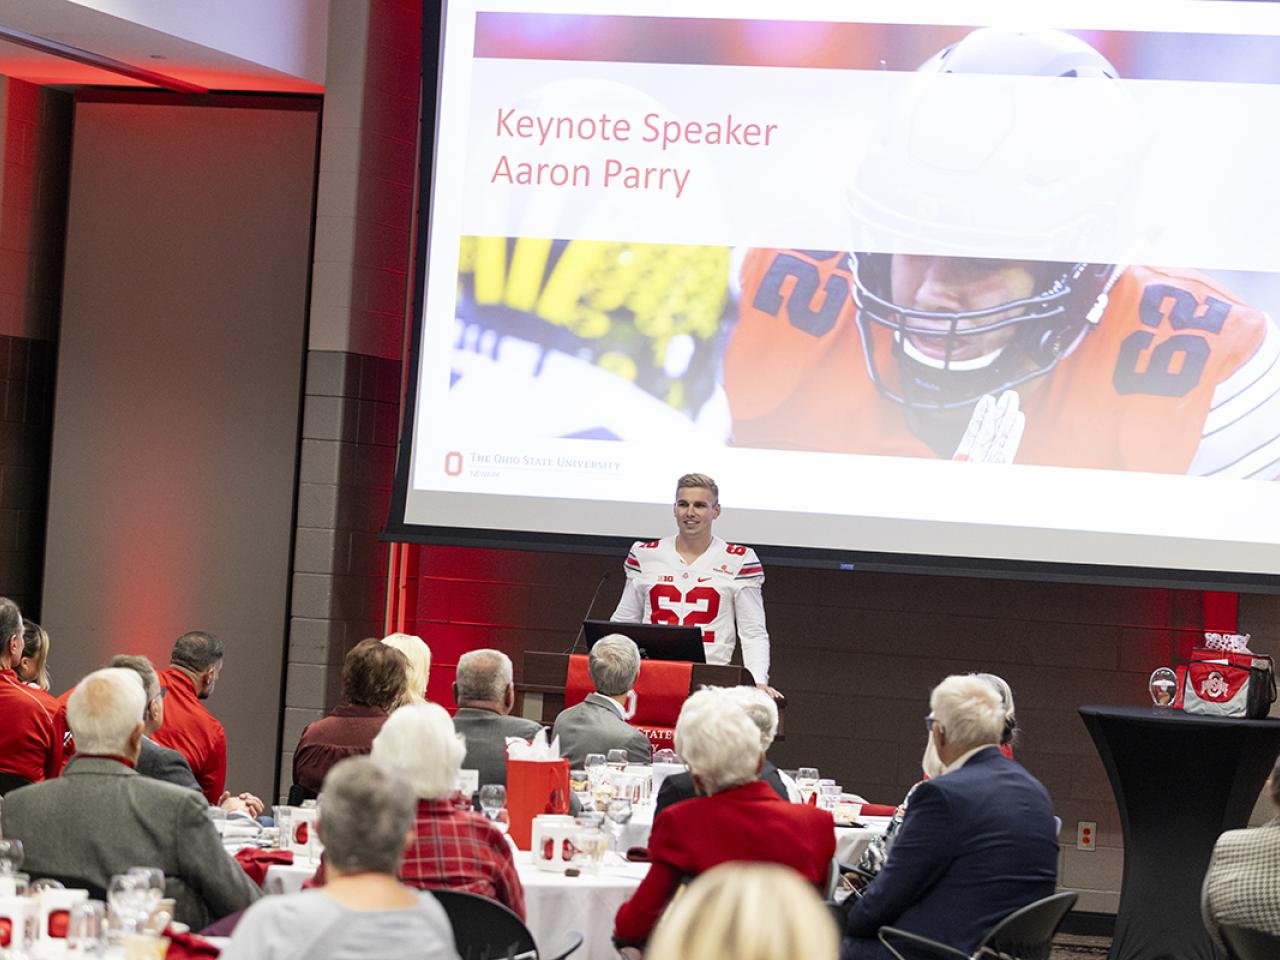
{"x": 30, "y": 748}
{"x": 155, "y": 761}
{"x": 194, "y": 667}
{"x": 747, "y": 911}
{"x": 101, "y": 818}
{"x": 485, "y": 694}
{"x": 363, "y": 911}
{"x": 763, "y": 711}
{"x": 451, "y": 848}
{"x": 33, "y": 667}
{"x": 374, "y": 675}
{"x": 1243, "y": 880}
{"x": 418, "y": 654}
{"x": 598, "y": 724}
{"x": 976, "y": 843}
{"x": 735, "y": 816}
{"x": 1010, "y": 732}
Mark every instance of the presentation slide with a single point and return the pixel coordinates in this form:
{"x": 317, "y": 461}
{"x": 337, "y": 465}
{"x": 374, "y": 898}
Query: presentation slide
{"x": 992, "y": 281}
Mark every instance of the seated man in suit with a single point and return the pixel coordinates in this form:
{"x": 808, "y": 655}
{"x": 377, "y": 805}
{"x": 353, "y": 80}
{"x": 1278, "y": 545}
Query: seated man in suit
{"x": 975, "y": 844}
{"x": 485, "y": 694}
{"x": 1244, "y": 874}
{"x": 734, "y": 816}
{"x": 598, "y": 724}
{"x": 763, "y": 711}
{"x": 101, "y": 818}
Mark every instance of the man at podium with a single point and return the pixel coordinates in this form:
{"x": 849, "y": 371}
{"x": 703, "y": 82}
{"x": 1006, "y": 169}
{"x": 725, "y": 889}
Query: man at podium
{"x": 695, "y": 579}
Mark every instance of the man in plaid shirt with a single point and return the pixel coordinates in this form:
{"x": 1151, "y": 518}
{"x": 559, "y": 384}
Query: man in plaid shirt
{"x": 451, "y": 849}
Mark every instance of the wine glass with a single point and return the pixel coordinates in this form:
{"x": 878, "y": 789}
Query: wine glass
{"x": 87, "y": 929}
{"x": 807, "y": 781}
{"x": 152, "y": 890}
{"x": 617, "y": 760}
{"x": 126, "y": 895}
{"x": 10, "y": 856}
{"x": 493, "y": 797}
{"x": 617, "y": 815}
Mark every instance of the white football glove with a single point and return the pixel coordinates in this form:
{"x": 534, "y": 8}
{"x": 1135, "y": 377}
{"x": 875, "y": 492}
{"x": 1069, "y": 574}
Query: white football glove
{"x": 994, "y": 430}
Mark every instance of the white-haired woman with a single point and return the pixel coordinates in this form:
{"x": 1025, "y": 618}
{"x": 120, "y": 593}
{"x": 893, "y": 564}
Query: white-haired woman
{"x": 451, "y": 849}
{"x": 734, "y": 817}
{"x": 747, "y": 911}
{"x": 363, "y": 910}
{"x": 418, "y": 654}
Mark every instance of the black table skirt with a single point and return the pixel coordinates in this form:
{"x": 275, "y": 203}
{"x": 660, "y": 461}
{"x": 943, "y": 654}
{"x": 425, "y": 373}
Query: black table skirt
{"x": 1179, "y": 781}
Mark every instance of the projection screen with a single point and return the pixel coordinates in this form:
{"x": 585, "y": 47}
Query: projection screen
{"x": 971, "y": 285}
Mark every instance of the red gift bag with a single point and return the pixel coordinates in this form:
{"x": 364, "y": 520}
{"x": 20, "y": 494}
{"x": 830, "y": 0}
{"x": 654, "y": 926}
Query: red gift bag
{"x": 535, "y": 787}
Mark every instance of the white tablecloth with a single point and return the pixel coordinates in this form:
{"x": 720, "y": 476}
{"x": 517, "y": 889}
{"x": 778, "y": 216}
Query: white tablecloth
{"x": 554, "y": 903}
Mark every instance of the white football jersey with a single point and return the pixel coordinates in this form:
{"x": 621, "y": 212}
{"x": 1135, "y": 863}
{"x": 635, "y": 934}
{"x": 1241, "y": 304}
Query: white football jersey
{"x": 721, "y": 592}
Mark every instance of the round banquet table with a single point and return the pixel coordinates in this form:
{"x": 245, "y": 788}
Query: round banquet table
{"x": 1179, "y": 781}
{"x": 554, "y": 903}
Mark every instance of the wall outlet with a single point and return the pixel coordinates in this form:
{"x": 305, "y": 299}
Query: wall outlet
{"x": 1086, "y": 835}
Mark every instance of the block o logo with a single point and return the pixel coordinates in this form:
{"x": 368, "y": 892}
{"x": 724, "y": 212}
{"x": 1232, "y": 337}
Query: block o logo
{"x": 453, "y": 463}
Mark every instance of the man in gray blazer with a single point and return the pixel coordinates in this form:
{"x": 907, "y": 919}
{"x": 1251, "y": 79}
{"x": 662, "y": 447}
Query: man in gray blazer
{"x": 597, "y": 724}
{"x": 155, "y": 761}
{"x": 485, "y": 694}
{"x": 100, "y": 817}
{"x": 1244, "y": 874}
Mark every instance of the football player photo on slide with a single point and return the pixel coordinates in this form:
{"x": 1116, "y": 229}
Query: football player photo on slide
{"x": 1039, "y": 361}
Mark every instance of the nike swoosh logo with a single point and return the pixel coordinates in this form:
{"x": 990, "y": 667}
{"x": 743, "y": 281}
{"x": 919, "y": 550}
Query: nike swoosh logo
{"x": 703, "y": 579}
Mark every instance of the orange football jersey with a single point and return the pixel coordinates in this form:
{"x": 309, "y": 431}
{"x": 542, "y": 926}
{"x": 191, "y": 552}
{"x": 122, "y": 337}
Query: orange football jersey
{"x": 1171, "y": 351}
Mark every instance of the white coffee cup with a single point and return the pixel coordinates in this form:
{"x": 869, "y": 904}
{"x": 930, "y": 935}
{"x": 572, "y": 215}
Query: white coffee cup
{"x": 55, "y": 911}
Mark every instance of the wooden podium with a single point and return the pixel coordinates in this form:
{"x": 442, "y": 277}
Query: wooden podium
{"x": 540, "y": 693}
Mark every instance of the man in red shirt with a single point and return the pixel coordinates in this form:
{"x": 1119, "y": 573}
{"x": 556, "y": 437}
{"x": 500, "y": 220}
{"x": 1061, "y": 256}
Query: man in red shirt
{"x": 28, "y": 747}
{"x": 189, "y": 728}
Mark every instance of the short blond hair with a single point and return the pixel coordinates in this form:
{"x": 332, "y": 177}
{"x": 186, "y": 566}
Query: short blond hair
{"x": 748, "y": 911}
{"x": 698, "y": 480}
{"x": 418, "y": 654}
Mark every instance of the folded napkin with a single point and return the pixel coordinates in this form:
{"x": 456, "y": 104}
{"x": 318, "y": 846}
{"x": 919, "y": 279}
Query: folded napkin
{"x": 256, "y": 862}
{"x": 189, "y": 946}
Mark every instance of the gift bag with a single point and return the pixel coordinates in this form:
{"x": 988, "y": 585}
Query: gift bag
{"x": 535, "y": 787}
{"x": 1220, "y": 683}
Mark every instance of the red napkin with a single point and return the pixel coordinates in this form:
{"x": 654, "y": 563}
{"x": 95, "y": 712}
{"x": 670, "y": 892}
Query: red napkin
{"x": 256, "y": 861}
{"x": 190, "y": 946}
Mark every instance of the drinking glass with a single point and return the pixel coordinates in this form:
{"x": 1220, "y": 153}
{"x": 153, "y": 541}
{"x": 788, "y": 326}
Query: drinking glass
{"x": 493, "y": 797}
{"x": 617, "y": 816}
{"x": 10, "y": 856}
{"x": 501, "y": 819}
{"x": 152, "y": 890}
{"x": 807, "y": 781}
{"x": 828, "y": 794}
{"x": 590, "y": 844}
{"x": 283, "y": 816}
{"x": 87, "y": 929}
{"x": 617, "y": 760}
{"x": 126, "y": 894}
{"x": 595, "y": 766}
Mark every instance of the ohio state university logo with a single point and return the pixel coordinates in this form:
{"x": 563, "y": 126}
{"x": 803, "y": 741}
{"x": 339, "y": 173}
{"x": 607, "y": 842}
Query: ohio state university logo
{"x": 1214, "y": 687}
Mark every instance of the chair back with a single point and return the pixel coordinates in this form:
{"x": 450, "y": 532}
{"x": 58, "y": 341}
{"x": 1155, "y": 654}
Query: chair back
{"x": 1027, "y": 934}
{"x": 298, "y": 794}
{"x": 1244, "y": 943}
{"x": 484, "y": 929}
{"x": 11, "y": 781}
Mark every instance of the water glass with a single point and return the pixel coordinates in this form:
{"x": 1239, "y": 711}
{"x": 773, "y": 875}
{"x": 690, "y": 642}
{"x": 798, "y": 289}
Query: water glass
{"x": 152, "y": 879}
{"x": 590, "y": 844}
{"x": 828, "y": 794}
{"x": 87, "y": 929}
{"x": 283, "y": 816}
{"x": 807, "y": 781}
{"x": 617, "y": 760}
{"x": 493, "y": 797}
{"x": 617, "y": 815}
{"x": 10, "y": 856}
{"x": 127, "y": 895}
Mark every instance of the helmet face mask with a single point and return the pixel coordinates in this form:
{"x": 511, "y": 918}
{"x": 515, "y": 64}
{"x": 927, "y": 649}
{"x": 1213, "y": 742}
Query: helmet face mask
{"x": 1043, "y": 329}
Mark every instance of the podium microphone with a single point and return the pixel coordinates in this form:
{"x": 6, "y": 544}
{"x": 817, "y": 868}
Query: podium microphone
{"x": 582, "y": 626}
